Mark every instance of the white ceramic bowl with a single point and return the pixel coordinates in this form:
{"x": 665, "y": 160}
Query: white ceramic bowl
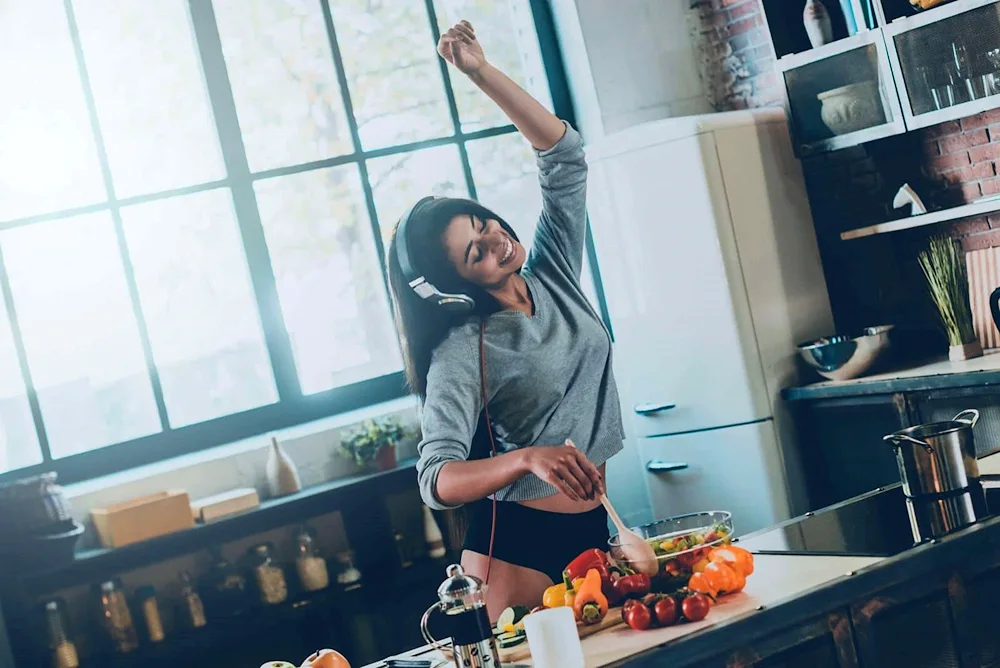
{"x": 851, "y": 108}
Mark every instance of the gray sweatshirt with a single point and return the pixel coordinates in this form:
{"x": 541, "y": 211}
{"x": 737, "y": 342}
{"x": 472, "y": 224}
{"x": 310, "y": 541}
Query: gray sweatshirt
{"x": 548, "y": 377}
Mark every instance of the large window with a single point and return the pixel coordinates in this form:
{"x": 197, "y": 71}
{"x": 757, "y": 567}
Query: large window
{"x": 194, "y": 201}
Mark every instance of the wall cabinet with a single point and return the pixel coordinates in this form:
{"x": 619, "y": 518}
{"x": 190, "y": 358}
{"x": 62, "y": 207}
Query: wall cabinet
{"x": 900, "y": 70}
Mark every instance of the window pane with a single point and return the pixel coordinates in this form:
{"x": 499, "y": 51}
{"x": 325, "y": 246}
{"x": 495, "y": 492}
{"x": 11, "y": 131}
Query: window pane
{"x": 18, "y": 440}
{"x": 79, "y": 333}
{"x": 400, "y": 180}
{"x": 506, "y": 177}
{"x": 506, "y": 30}
{"x": 329, "y": 282}
{"x": 48, "y": 160}
{"x": 151, "y": 98}
{"x": 284, "y": 82}
{"x": 199, "y": 306}
{"x": 391, "y": 63}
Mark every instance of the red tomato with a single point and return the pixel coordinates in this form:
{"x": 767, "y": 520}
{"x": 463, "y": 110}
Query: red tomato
{"x": 666, "y": 611}
{"x": 695, "y": 607}
{"x": 639, "y": 617}
{"x": 628, "y": 606}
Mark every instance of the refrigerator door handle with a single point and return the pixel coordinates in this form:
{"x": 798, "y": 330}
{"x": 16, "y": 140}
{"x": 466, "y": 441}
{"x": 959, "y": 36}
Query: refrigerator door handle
{"x": 656, "y": 466}
{"x": 652, "y": 408}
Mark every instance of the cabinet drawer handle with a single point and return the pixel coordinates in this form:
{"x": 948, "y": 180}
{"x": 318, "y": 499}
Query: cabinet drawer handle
{"x": 652, "y": 409}
{"x": 656, "y": 466}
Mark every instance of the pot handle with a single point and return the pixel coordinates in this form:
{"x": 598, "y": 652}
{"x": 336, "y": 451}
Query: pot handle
{"x": 969, "y": 415}
{"x": 895, "y": 439}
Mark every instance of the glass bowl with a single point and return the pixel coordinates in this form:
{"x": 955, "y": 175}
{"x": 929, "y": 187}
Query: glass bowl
{"x": 680, "y": 542}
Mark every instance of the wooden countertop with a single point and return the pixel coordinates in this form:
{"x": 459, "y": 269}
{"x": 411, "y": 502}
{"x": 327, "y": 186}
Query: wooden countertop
{"x": 776, "y": 578}
{"x": 933, "y": 375}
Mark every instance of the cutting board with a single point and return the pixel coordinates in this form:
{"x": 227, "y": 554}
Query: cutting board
{"x": 519, "y": 652}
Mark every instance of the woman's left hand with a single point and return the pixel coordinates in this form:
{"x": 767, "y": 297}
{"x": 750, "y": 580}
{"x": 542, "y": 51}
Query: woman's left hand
{"x": 460, "y": 47}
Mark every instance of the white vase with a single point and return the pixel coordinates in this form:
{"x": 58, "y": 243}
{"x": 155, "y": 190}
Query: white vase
{"x": 816, "y": 20}
{"x": 432, "y": 536}
{"x": 282, "y": 477}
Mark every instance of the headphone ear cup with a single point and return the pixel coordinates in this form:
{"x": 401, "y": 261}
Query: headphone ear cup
{"x": 456, "y": 303}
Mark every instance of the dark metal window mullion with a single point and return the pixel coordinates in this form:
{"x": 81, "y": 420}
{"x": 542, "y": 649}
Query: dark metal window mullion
{"x": 449, "y": 92}
{"x": 220, "y": 94}
{"x": 115, "y": 210}
{"x": 352, "y": 123}
{"x": 562, "y": 103}
{"x": 22, "y": 360}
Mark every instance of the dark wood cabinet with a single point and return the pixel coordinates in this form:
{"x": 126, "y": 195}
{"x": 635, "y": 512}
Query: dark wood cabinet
{"x": 825, "y": 642}
{"x": 911, "y": 624}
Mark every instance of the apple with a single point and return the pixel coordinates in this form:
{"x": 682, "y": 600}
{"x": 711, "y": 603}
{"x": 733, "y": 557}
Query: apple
{"x": 325, "y": 658}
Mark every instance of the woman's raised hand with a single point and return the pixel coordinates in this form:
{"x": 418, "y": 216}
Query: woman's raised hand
{"x": 460, "y": 47}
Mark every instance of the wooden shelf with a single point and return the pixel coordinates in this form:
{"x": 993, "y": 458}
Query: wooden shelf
{"x": 91, "y": 565}
{"x": 955, "y": 213}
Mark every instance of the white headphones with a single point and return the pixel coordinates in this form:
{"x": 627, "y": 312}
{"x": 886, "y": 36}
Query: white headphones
{"x": 454, "y": 303}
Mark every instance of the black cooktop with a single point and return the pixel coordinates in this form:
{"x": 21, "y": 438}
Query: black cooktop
{"x": 882, "y": 523}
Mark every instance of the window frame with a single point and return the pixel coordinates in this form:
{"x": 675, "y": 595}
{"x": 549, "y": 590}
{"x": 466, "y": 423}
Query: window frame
{"x": 293, "y": 407}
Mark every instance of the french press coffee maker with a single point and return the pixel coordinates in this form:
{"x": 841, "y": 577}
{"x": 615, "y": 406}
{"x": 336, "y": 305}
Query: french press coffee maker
{"x": 463, "y": 606}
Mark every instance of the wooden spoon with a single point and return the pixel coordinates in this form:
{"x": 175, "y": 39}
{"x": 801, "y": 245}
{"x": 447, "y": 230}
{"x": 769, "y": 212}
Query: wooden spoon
{"x": 633, "y": 546}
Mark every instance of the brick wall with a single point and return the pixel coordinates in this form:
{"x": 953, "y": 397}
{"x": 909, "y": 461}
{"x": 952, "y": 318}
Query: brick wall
{"x": 875, "y": 279}
{"x": 735, "y": 54}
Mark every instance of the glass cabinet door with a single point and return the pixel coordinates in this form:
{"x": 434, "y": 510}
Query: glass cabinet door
{"x": 841, "y": 94}
{"x": 947, "y": 61}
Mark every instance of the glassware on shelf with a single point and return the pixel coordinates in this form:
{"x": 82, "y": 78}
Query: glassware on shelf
{"x": 225, "y": 588}
{"x": 309, "y": 562}
{"x": 993, "y": 77}
{"x": 402, "y": 550}
{"x": 145, "y": 598}
{"x": 270, "y": 577}
{"x": 116, "y": 618}
{"x": 62, "y": 648}
{"x": 349, "y": 576}
{"x": 192, "y": 607}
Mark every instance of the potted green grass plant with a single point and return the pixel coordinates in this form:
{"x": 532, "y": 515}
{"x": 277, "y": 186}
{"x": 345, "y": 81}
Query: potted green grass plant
{"x": 947, "y": 280}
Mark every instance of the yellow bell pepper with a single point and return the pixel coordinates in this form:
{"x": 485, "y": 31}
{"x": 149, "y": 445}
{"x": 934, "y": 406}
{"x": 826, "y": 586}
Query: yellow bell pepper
{"x": 562, "y": 594}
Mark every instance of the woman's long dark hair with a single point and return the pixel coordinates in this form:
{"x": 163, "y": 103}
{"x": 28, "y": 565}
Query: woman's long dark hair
{"x": 420, "y": 324}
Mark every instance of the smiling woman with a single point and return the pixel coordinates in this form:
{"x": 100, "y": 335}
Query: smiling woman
{"x": 503, "y": 345}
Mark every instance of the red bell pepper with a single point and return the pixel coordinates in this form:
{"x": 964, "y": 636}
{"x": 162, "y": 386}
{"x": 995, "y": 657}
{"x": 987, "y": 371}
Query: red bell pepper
{"x": 631, "y": 586}
{"x": 598, "y": 560}
{"x": 593, "y": 558}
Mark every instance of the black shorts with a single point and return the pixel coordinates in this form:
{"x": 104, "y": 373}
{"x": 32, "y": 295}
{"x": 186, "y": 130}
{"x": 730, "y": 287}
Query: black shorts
{"x": 536, "y": 539}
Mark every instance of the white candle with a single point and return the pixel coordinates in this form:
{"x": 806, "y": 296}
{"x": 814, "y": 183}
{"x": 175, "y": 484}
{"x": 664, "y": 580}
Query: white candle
{"x": 553, "y": 639}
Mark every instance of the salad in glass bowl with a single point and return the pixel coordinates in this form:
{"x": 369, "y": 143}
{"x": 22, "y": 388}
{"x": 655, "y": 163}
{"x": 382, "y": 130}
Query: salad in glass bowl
{"x": 680, "y": 544}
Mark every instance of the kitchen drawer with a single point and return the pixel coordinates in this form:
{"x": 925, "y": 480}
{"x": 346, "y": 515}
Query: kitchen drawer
{"x": 734, "y": 469}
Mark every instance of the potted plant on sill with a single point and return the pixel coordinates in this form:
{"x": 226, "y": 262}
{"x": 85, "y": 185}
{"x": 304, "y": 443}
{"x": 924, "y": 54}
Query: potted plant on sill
{"x": 947, "y": 279}
{"x": 372, "y": 444}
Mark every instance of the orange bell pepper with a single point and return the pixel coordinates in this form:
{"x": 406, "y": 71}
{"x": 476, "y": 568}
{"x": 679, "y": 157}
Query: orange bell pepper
{"x": 702, "y": 584}
{"x": 590, "y": 605}
{"x": 721, "y": 576}
{"x": 736, "y": 557}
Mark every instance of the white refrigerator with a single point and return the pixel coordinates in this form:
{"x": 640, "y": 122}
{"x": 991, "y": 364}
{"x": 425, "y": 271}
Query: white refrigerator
{"x": 712, "y": 275}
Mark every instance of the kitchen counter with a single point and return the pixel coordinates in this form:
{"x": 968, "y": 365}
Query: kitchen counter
{"x": 934, "y": 375}
{"x": 770, "y": 584}
{"x": 819, "y": 610}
